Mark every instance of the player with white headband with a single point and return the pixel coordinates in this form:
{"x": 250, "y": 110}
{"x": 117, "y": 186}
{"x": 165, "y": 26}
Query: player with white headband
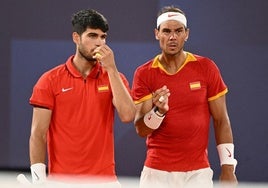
{"x": 176, "y": 93}
{"x": 177, "y": 16}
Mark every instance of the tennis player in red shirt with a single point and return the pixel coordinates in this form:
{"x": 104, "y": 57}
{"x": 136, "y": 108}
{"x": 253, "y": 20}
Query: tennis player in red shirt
{"x": 73, "y": 110}
{"x": 176, "y": 93}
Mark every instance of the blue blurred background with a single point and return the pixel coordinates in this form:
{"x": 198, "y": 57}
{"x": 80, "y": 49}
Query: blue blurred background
{"x": 36, "y": 36}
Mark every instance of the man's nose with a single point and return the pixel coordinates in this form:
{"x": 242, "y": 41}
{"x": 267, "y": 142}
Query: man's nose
{"x": 172, "y": 35}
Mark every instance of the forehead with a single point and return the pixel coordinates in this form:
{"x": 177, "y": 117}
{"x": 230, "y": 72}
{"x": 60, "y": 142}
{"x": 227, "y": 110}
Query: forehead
{"x": 95, "y": 31}
{"x": 171, "y": 24}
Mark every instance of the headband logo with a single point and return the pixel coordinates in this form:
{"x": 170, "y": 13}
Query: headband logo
{"x": 171, "y": 15}
{"x": 177, "y": 16}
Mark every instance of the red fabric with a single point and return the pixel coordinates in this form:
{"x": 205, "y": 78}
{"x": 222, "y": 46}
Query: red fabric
{"x": 80, "y": 137}
{"x": 181, "y": 141}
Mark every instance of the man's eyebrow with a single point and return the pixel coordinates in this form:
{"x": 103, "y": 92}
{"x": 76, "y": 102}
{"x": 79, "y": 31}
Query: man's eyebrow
{"x": 96, "y": 34}
{"x": 168, "y": 29}
{"x": 92, "y": 33}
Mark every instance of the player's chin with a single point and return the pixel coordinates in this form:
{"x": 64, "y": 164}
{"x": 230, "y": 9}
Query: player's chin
{"x": 90, "y": 59}
{"x": 171, "y": 53}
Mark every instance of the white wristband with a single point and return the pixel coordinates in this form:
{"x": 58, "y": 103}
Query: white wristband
{"x": 152, "y": 120}
{"x": 38, "y": 171}
{"x": 226, "y": 154}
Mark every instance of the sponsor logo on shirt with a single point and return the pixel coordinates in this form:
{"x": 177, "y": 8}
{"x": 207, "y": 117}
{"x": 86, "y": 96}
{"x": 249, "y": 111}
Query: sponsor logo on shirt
{"x": 66, "y": 89}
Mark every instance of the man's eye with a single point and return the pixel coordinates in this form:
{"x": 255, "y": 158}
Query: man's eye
{"x": 166, "y": 31}
{"x": 93, "y": 36}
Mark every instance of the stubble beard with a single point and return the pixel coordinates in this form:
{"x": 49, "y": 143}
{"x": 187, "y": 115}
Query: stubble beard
{"x": 175, "y": 52}
{"x": 85, "y": 55}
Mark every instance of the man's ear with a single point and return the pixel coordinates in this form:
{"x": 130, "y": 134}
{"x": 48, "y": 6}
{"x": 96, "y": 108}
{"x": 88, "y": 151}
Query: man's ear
{"x": 156, "y": 34}
{"x": 187, "y": 34}
{"x": 76, "y": 37}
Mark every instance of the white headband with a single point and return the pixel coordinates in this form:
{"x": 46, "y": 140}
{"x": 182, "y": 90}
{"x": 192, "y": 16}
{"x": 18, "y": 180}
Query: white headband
{"x": 171, "y": 16}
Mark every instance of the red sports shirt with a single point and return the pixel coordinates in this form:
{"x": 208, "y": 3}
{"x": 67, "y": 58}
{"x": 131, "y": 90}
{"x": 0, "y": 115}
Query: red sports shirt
{"x": 180, "y": 143}
{"x": 80, "y": 137}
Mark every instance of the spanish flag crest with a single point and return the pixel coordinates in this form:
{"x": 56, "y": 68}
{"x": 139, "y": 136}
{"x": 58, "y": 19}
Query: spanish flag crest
{"x": 195, "y": 85}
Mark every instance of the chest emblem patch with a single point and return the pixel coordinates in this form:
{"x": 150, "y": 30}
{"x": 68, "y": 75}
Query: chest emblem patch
{"x": 103, "y": 88}
{"x": 195, "y": 85}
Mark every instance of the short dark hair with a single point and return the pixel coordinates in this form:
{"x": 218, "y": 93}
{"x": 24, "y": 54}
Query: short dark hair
{"x": 171, "y": 8}
{"x": 89, "y": 18}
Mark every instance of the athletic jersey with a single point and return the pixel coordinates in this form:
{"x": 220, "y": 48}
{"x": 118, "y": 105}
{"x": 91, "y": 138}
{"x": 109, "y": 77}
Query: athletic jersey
{"x": 80, "y": 136}
{"x": 181, "y": 141}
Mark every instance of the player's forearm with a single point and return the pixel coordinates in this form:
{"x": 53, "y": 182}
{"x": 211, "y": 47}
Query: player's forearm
{"x": 121, "y": 98}
{"x": 223, "y": 132}
{"x": 225, "y": 147}
{"x": 37, "y": 149}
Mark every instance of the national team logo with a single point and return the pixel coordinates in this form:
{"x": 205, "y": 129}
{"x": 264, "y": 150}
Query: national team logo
{"x": 195, "y": 85}
{"x": 103, "y": 88}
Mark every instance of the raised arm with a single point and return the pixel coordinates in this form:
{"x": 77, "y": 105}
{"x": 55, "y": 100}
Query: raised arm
{"x": 151, "y": 113}
{"x": 121, "y": 97}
